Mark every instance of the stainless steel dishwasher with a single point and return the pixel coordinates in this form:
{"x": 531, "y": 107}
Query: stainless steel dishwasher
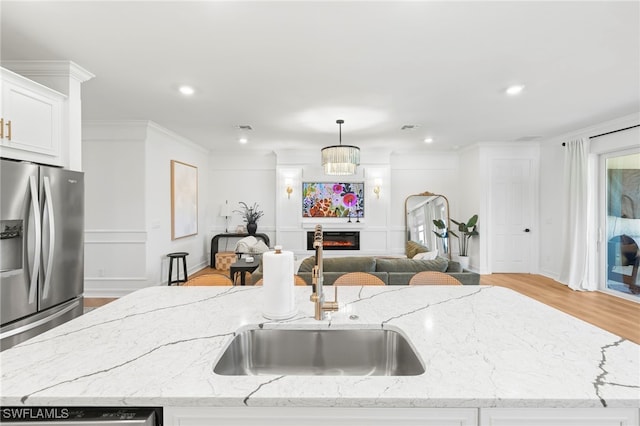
{"x": 81, "y": 416}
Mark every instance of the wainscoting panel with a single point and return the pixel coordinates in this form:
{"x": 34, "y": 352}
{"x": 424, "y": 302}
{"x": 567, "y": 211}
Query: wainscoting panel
{"x": 113, "y": 286}
{"x": 114, "y": 262}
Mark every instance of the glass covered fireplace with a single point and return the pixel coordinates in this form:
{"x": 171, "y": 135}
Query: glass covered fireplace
{"x": 336, "y": 240}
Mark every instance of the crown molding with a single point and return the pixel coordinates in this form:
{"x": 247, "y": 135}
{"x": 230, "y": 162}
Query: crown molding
{"x": 176, "y": 137}
{"x": 594, "y": 129}
{"x": 109, "y": 130}
{"x": 49, "y": 68}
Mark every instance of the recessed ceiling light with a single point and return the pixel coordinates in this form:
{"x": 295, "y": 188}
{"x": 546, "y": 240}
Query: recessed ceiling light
{"x": 243, "y": 140}
{"x": 186, "y": 90}
{"x": 515, "y": 90}
{"x": 428, "y": 140}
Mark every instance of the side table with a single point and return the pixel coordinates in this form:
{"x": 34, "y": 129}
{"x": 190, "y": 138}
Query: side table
{"x": 242, "y": 266}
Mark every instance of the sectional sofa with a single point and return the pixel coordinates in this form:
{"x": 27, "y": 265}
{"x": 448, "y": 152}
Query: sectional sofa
{"x": 393, "y": 271}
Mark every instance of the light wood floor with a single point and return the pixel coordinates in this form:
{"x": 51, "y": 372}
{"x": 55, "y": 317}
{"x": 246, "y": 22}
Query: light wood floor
{"x": 616, "y": 315}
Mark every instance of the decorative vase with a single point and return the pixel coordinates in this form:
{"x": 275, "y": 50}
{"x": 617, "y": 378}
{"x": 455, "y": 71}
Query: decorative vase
{"x": 464, "y": 261}
{"x": 252, "y": 228}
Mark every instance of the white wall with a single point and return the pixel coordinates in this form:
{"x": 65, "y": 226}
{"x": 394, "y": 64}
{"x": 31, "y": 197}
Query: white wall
{"x": 162, "y": 146}
{"x": 128, "y": 205}
{"x": 247, "y": 177}
{"x": 473, "y": 184}
{"x": 115, "y": 229}
{"x": 551, "y": 202}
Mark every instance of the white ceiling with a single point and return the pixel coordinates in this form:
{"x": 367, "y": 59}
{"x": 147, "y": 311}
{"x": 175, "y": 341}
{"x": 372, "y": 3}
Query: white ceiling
{"x": 290, "y": 69}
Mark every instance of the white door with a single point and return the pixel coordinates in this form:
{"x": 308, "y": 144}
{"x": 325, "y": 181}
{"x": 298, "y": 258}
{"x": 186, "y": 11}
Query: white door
{"x": 511, "y": 207}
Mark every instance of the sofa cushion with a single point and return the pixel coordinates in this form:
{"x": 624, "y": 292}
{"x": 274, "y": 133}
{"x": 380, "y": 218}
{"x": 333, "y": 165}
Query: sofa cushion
{"x": 341, "y": 264}
{"x": 409, "y": 265}
{"x": 454, "y": 266}
{"x": 412, "y": 248}
{"x": 426, "y": 255}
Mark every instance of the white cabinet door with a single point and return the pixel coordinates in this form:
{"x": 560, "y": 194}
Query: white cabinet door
{"x": 318, "y": 416}
{"x": 31, "y": 117}
{"x": 559, "y": 417}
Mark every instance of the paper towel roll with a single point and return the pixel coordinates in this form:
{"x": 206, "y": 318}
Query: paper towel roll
{"x": 278, "y": 286}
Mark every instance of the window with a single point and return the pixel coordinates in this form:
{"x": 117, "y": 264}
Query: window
{"x": 621, "y": 253}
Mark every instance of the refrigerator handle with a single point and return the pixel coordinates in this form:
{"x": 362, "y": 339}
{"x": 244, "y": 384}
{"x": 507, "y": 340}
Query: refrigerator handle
{"x": 35, "y": 204}
{"x": 52, "y": 237}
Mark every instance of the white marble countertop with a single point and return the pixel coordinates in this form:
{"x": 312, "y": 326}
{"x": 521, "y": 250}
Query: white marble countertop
{"x": 481, "y": 347}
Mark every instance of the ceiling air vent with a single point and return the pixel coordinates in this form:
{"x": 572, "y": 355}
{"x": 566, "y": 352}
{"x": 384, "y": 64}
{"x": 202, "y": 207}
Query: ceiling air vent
{"x": 528, "y": 138}
{"x": 409, "y": 126}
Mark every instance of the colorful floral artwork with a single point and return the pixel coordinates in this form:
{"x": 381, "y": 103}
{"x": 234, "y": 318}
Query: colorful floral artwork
{"x": 333, "y": 199}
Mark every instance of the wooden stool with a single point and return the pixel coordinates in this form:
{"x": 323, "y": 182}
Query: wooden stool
{"x": 177, "y": 256}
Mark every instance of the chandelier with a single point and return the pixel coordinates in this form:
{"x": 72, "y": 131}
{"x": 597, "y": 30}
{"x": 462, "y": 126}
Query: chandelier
{"x": 340, "y": 159}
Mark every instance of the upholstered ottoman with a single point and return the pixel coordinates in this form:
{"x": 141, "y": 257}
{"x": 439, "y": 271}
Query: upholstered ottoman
{"x": 224, "y": 259}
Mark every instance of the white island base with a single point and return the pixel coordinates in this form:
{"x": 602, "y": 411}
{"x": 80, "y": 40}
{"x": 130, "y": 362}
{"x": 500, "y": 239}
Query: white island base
{"x": 315, "y": 416}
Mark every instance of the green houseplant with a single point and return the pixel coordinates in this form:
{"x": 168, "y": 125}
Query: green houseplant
{"x": 250, "y": 215}
{"x": 466, "y": 231}
{"x": 443, "y": 233}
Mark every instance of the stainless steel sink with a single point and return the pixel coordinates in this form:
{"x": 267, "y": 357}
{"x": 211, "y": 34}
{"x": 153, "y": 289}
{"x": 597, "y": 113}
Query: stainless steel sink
{"x": 359, "y": 352}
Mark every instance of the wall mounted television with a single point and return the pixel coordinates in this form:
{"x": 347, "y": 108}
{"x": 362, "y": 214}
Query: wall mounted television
{"x": 333, "y": 199}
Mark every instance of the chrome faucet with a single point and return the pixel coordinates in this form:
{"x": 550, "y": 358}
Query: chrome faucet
{"x": 317, "y": 297}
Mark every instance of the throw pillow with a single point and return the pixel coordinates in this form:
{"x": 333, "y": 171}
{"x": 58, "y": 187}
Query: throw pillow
{"x": 412, "y": 248}
{"x": 245, "y": 244}
{"x": 427, "y": 255}
{"x": 258, "y": 247}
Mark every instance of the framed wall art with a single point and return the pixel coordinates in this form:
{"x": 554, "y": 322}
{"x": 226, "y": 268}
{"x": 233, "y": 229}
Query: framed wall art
{"x": 184, "y": 200}
{"x": 333, "y": 199}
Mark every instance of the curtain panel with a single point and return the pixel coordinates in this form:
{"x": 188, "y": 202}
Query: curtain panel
{"x": 579, "y": 240}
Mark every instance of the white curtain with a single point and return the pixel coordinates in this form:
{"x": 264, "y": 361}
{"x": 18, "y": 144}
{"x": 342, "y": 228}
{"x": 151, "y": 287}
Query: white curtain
{"x": 579, "y": 240}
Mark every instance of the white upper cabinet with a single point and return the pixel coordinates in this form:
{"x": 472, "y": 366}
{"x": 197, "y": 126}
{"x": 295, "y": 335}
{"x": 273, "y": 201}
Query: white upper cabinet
{"x": 32, "y": 120}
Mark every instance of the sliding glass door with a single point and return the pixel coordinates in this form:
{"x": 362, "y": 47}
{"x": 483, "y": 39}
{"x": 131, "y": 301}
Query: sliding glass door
{"x": 620, "y": 172}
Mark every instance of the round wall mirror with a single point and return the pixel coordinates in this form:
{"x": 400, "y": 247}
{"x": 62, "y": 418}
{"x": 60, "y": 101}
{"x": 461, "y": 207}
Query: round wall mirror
{"x": 420, "y": 212}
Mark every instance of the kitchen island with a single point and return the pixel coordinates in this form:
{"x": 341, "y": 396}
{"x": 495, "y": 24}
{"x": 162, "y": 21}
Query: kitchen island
{"x": 486, "y": 350}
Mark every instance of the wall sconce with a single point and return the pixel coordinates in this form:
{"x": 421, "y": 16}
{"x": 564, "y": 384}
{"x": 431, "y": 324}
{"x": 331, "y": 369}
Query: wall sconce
{"x": 289, "y": 187}
{"x": 377, "y": 187}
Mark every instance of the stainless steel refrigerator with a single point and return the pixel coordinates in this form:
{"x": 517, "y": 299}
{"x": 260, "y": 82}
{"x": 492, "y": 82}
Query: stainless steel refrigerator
{"x": 41, "y": 249}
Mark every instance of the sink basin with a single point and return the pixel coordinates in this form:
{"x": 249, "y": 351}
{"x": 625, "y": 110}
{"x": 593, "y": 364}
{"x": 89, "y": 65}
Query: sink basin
{"x": 359, "y": 352}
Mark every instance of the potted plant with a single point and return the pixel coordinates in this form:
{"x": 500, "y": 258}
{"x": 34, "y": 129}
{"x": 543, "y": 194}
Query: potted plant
{"x": 250, "y": 215}
{"x": 443, "y": 233}
{"x": 466, "y": 230}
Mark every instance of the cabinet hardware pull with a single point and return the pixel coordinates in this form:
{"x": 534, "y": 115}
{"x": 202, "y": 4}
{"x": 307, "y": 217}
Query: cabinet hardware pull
{"x": 9, "y": 129}
{"x": 1, "y": 128}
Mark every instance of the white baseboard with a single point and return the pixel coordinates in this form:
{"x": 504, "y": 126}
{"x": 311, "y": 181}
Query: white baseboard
{"x": 554, "y": 276}
{"x": 113, "y": 287}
